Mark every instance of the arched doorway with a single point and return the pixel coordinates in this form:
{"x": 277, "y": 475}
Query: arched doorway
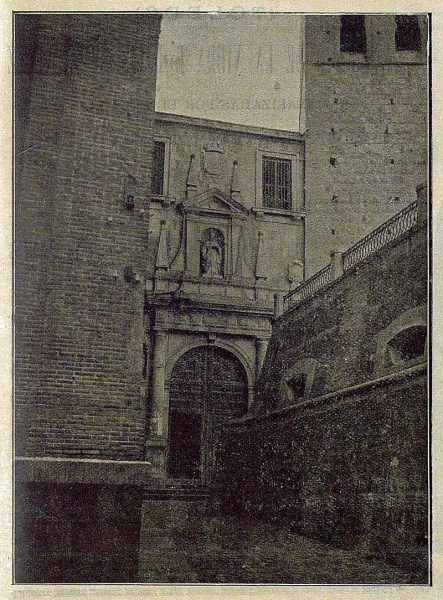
{"x": 208, "y": 384}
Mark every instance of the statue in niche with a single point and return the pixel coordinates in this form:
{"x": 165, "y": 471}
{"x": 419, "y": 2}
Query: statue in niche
{"x": 212, "y": 253}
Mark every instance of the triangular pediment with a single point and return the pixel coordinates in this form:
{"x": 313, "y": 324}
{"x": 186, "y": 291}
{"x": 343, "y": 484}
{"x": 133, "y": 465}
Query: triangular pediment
{"x": 214, "y": 200}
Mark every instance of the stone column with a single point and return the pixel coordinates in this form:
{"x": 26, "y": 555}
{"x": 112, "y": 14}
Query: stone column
{"x": 261, "y": 347}
{"x": 158, "y": 425}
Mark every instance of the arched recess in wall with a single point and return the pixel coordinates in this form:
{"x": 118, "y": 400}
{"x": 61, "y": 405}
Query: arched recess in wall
{"x": 207, "y": 385}
{"x": 237, "y": 352}
{"x": 297, "y": 381}
{"x": 403, "y": 343}
{"x": 212, "y": 253}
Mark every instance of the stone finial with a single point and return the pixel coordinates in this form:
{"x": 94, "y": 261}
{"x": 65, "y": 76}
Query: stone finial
{"x": 235, "y": 180}
{"x": 191, "y": 180}
{"x": 162, "y": 261}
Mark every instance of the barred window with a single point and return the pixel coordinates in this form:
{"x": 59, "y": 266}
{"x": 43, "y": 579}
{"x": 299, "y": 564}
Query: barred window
{"x": 353, "y": 34}
{"x": 407, "y": 33}
{"x": 158, "y": 172}
{"x": 277, "y": 182}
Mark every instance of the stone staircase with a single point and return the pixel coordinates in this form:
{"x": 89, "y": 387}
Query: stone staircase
{"x": 191, "y": 490}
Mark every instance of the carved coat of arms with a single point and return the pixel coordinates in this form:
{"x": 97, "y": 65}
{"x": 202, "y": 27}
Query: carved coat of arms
{"x": 213, "y": 158}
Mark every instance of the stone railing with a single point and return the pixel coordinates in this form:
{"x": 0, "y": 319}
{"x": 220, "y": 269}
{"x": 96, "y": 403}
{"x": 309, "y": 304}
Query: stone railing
{"x": 342, "y": 262}
{"x": 308, "y": 288}
{"x": 389, "y": 231}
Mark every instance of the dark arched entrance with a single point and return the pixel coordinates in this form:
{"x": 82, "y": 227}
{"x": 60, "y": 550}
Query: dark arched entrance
{"x": 207, "y": 384}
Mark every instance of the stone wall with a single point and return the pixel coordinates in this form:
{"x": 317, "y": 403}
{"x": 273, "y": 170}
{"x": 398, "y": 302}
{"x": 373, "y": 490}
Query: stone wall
{"x": 87, "y": 125}
{"x": 350, "y": 470}
{"x": 335, "y": 335}
{"x": 76, "y": 533}
{"x": 245, "y": 145}
{"x": 366, "y": 132}
{"x": 237, "y": 143}
{"x": 347, "y": 461}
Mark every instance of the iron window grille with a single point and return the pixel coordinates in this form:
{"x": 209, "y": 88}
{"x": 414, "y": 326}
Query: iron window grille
{"x": 277, "y": 182}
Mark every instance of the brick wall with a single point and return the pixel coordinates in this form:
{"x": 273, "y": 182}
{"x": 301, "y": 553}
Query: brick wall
{"x": 367, "y": 114}
{"x": 88, "y": 125}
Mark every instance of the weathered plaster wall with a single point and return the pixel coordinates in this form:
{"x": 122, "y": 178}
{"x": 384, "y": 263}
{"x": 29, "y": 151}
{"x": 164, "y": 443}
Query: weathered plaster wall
{"x": 191, "y": 136}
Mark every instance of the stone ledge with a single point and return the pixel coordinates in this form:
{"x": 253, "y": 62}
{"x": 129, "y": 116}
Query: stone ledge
{"x": 300, "y": 409}
{"x": 70, "y": 470}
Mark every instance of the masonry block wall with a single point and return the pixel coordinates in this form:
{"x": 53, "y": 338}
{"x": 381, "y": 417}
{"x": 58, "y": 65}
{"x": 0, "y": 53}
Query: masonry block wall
{"x": 86, "y": 109}
{"x": 352, "y": 473}
{"x": 346, "y": 463}
{"x": 339, "y": 328}
{"x": 366, "y": 132}
{"x": 76, "y": 533}
{"x": 190, "y": 136}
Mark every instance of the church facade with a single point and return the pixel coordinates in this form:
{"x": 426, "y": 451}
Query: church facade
{"x": 222, "y": 196}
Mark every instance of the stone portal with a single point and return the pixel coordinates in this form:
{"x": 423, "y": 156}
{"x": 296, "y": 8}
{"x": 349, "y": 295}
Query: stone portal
{"x": 207, "y": 384}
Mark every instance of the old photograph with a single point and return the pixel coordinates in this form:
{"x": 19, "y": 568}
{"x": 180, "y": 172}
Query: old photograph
{"x": 221, "y": 298}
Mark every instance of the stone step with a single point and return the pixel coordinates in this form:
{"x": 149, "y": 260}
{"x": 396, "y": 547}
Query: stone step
{"x": 179, "y": 483}
{"x": 177, "y": 497}
{"x": 177, "y": 489}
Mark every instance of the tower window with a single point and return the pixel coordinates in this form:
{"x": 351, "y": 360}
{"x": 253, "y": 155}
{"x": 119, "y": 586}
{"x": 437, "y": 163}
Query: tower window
{"x": 353, "y": 34}
{"x": 158, "y": 173}
{"x": 277, "y": 182}
{"x": 407, "y": 33}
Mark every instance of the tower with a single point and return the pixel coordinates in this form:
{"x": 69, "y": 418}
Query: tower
{"x": 85, "y": 144}
{"x": 365, "y": 103}
{"x": 85, "y": 90}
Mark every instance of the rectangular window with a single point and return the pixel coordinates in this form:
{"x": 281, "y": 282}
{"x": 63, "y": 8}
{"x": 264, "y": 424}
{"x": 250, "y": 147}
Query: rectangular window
{"x": 277, "y": 182}
{"x": 407, "y": 33}
{"x": 158, "y": 173}
{"x": 353, "y": 34}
